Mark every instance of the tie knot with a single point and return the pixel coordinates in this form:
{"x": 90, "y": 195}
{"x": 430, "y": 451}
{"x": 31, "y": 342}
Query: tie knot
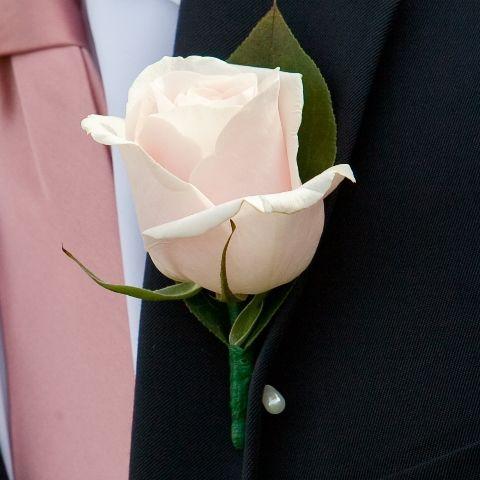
{"x": 27, "y": 25}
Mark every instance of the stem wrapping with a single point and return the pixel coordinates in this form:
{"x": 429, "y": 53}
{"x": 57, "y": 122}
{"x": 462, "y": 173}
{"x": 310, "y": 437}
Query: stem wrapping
{"x": 241, "y": 369}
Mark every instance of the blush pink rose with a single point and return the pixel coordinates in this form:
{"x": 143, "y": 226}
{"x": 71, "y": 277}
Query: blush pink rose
{"x": 204, "y": 142}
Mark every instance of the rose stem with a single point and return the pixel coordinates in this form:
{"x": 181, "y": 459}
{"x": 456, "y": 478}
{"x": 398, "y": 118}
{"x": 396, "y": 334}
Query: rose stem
{"x": 241, "y": 369}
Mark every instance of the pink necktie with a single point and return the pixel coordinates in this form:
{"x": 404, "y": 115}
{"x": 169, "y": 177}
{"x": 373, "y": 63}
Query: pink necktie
{"x": 69, "y": 365}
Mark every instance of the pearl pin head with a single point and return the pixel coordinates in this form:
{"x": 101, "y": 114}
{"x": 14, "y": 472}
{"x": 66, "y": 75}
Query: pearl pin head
{"x": 273, "y": 400}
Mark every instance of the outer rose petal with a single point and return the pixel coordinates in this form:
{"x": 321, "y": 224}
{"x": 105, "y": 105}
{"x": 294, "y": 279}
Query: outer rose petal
{"x": 274, "y": 242}
{"x": 290, "y": 104}
{"x": 192, "y": 258}
{"x": 268, "y": 250}
{"x": 105, "y": 130}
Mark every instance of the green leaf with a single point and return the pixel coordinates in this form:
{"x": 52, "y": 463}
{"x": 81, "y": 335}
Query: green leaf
{"x": 271, "y": 304}
{"x": 245, "y": 321}
{"x": 272, "y": 44}
{"x": 179, "y": 291}
{"x": 227, "y": 294}
{"x": 211, "y": 314}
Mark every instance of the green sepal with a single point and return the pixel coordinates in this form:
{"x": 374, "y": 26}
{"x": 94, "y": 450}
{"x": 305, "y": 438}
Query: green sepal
{"x": 246, "y": 320}
{"x": 227, "y": 295}
{"x": 211, "y": 313}
{"x": 271, "y": 303}
{"x": 272, "y": 44}
{"x": 179, "y": 291}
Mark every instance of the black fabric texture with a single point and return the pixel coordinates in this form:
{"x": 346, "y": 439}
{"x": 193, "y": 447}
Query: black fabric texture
{"x": 3, "y": 471}
{"x": 378, "y": 351}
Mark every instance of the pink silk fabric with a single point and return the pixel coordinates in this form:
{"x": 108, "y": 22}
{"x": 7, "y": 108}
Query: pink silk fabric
{"x": 68, "y": 354}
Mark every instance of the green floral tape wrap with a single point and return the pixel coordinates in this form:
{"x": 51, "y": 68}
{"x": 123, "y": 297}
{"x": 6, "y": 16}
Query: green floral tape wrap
{"x": 241, "y": 368}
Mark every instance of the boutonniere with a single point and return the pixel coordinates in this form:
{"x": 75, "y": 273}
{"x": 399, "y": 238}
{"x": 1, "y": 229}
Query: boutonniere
{"x": 229, "y": 163}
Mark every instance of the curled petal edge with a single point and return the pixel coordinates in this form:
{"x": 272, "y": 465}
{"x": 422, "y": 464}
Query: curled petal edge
{"x": 286, "y": 202}
{"x": 107, "y": 130}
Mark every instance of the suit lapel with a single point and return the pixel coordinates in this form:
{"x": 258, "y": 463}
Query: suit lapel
{"x": 346, "y": 40}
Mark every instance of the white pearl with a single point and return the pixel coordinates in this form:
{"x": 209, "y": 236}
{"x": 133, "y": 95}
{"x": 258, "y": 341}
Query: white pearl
{"x": 273, "y": 400}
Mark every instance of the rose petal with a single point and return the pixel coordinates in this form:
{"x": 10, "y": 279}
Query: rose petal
{"x": 159, "y": 196}
{"x": 268, "y": 250}
{"x": 192, "y": 88}
{"x": 138, "y": 111}
{"x": 106, "y": 130}
{"x": 290, "y": 104}
{"x": 168, "y": 147}
{"x": 199, "y": 124}
{"x": 250, "y": 156}
{"x": 194, "y": 257}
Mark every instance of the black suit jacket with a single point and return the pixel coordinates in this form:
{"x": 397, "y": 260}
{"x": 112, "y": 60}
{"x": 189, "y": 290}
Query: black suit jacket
{"x": 378, "y": 354}
{"x": 3, "y": 471}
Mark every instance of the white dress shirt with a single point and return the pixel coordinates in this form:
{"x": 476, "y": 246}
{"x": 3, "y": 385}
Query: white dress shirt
{"x": 127, "y": 36}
